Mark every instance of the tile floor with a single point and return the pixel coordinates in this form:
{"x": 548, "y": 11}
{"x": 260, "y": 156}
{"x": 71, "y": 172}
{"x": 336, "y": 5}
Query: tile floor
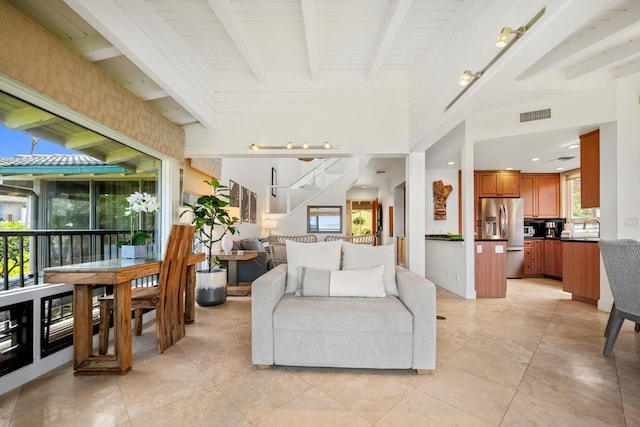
{"x": 534, "y": 358}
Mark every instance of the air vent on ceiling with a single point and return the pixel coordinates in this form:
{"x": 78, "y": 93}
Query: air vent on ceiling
{"x": 535, "y": 115}
{"x": 381, "y": 171}
{"x": 564, "y": 158}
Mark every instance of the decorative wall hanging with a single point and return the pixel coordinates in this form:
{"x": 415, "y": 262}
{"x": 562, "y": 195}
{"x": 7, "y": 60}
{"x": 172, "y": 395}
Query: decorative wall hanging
{"x": 440, "y": 194}
{"x": 234, "y": 191}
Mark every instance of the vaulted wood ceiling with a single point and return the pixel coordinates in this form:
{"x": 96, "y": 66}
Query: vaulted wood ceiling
{"x": 244, "y": 63}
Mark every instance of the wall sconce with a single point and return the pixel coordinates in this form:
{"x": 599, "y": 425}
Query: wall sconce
{"x": 503, "y": 38}
{"x": 289, "y": 146}
{"x": 466, "y": 77}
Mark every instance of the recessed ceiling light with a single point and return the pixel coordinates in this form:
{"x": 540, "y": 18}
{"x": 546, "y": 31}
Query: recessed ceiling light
{"x": 559, "y": 169}
{"x": 574, "y": 146}
{"x": 535, "y": 159}
{"x": 364, "y": 186}
{"x": 451, "y": 163}
{"x": 509, "y": 169}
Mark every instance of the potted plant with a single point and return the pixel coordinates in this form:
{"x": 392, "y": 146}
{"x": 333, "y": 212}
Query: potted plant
{"x": 213, "y": 222}
{"x": 135, "y": 246}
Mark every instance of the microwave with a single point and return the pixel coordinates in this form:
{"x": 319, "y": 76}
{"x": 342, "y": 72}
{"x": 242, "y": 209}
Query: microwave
{"x": 529, "y": 231}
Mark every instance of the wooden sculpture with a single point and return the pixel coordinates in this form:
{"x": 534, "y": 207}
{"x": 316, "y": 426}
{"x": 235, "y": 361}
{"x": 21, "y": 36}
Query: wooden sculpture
{"x": 440, "y": 194}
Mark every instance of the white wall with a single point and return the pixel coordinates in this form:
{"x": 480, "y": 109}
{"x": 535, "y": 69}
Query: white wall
{"x": 255, "y": 175}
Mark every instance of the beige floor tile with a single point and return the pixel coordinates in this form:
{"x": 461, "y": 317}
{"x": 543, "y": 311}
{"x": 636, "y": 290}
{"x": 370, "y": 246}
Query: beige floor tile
{"x": 536, "y": 340}
{"x": 205, "y": 408}
{"x": 482, "y": 398}
{"x": 579, "y": 382}
{"x": 501, "y": 369}
{"x": 100, "y": 408}
{"x": 259, "y": 392}
{"x": 311, "y": 409}
{"x": 526, "y": 410}
{"x": 421, "y": 410}
{"x": 8, "y": 403}
{"x": 156, "y": 385}
{"x": 368, "y": 393}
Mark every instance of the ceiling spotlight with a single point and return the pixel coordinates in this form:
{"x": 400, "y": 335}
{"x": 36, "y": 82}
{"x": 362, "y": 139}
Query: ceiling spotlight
{"x": 503, "y": 38}
{"x": 327, "y": 145}
{"x": 254, "y": 147}
{"x": 468, "y": 76}
{"x": 559, "y": 169}
{"x": 289, "y": 145}
{"x": 535, "y": 159}
{"x": 305, "y": 145}
{"x": 451, "y": 163}
{"x": 574, "y": 146}
{"x": 509, "y": 169}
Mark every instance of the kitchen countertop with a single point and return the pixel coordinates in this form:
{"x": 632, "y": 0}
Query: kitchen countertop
{"x": 572, "y": 239}
{"x": 443, "y": 237}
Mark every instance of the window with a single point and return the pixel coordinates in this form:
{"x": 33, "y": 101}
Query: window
{"x": 576, "y": 213}
{"x": 324, "y": 219}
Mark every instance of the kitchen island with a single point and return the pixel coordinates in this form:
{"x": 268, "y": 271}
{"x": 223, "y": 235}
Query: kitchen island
{"x": 490, "y": 268}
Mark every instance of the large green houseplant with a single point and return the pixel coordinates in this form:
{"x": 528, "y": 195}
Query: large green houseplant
{"x": 210, "y": 216}
{"x": 212, "y": 221}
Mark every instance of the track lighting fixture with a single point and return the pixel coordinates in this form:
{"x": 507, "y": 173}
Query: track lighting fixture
{"x": 467, "y": 76}
{"x": 505, "y": 34}
{"x": 289, "y": 146}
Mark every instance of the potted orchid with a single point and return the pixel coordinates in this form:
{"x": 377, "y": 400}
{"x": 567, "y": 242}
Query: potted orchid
{"x": 135, "y": 246}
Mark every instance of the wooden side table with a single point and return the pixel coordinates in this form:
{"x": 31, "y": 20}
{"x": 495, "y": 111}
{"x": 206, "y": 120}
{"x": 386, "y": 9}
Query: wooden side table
{"x": 232, "y": 272}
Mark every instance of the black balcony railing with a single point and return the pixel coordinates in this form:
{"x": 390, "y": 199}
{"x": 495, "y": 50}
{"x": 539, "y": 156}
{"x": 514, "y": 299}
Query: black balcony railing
{"x": 25, "y": 253}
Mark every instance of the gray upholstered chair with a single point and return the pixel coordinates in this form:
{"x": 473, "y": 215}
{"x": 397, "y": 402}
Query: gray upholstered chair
{"x": 622, "y": 263}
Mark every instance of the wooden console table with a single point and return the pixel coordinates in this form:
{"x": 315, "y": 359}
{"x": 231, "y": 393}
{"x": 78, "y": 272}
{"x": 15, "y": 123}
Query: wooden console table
{"x": 232, "y": 271}
{"x": 117, "y": 273}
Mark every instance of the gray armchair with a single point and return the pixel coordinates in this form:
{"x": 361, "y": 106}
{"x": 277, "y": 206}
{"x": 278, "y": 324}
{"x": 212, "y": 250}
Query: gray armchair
{"x": 622, "y": 263}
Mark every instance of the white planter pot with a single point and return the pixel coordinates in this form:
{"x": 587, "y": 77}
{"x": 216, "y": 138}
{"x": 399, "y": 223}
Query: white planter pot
{"x": 211, "y": 287}
{"x": 133, "y": 251}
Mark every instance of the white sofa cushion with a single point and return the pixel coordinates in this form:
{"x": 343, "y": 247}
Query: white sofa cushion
{"x": 356, "y": 256}
{"x": 323, "y": 255}
{"x": 363, "y": 282}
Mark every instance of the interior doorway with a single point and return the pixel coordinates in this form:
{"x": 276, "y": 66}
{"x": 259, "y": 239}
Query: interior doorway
{"x": 362, "y": 217}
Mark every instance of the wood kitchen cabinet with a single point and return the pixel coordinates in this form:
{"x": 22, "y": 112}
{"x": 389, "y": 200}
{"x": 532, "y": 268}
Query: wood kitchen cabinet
{"x": 541, "y": 195}
{"x": 581, "y": 270}
{"x": 553, "y": 261}
{"x": 590, "y": 169}
{"x": 533, "y": 257}
{"x": 498, "y": 183}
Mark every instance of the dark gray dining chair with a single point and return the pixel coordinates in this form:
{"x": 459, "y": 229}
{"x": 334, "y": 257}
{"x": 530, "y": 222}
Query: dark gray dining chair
{"x": 622, "y": 263}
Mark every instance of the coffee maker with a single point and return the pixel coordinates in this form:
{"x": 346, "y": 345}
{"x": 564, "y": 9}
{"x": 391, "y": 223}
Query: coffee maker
{"x": 551, "y": 227}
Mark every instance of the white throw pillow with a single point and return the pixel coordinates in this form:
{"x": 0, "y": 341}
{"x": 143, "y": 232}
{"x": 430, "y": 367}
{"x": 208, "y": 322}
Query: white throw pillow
{"x": 314, "y": 282}
{"x": 323, "y": 255}
{"x": 367, "y": 282}
{"x": 356, "y": 256}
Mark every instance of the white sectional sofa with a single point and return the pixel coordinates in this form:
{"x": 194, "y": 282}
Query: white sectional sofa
{"x": 372, "y": 324}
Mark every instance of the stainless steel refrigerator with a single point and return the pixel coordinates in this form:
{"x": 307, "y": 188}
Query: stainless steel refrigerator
{"x": 503, "y": 218}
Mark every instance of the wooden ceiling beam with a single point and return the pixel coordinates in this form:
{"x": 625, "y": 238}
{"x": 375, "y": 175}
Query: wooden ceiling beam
{"x": 232, "y": 23}
{"x": 398, "y": 12}
{"x": 310, "y": 20}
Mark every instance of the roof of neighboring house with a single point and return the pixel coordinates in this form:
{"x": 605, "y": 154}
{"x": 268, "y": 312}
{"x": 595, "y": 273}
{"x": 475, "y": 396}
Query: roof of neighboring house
{"x": 50, "y": 160}
{"x": 55, "y": 163}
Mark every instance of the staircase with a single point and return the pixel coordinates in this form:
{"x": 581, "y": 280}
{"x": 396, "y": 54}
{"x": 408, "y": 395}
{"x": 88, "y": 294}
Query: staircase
{"x": 308, "y": 187}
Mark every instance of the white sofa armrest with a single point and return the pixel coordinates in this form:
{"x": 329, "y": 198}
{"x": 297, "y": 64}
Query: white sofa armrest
{"x": 418, "y": 294}
{"x": 266, "y": 292}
